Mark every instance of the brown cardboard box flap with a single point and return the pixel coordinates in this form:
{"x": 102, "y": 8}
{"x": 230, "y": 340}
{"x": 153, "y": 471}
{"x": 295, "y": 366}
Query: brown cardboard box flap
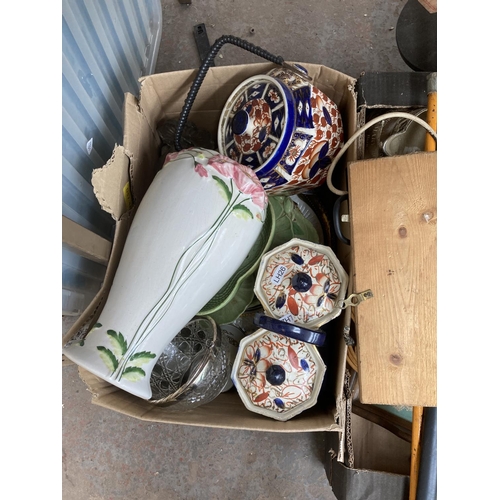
{"x": 110, "y": 183}
{"x": 393, "y": 218}
{"x": 122, "y": 182}
{"x": 142, "y": 143}
{"x": 227, "y": 411}
{"x": 381, "y": 465}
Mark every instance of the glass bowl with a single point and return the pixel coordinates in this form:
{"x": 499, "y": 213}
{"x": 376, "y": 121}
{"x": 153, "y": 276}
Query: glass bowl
{"x": 193, "y": 369}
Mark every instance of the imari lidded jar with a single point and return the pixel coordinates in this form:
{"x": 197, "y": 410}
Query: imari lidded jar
{"x": 302, "y": 283}
{"x": 277, "y": 376}
{"x": 282, "y": 127}
{"x": 193, "y": 229}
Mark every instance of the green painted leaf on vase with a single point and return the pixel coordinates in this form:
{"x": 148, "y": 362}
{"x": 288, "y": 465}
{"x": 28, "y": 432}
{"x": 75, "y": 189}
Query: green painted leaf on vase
{"x": 140, "y": 358}
{"x": 118, "y": 342}
{"x": 108, "y": 357}
{"x": 223, "y": 188}
{"x": 95, "y": 327}
{"x": 242, "y": 212}
{"x": 133, "y": 373}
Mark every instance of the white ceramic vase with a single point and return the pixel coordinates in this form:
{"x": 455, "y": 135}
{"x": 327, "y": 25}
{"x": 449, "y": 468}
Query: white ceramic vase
{"x": 193, "y": 229}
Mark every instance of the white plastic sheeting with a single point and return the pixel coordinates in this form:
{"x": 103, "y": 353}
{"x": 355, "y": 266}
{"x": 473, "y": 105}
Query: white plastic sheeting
{"x": 107, "y": 45}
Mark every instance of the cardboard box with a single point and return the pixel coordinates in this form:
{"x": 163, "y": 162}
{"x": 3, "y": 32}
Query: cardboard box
{"x": 377, "y": 469}
{"x": 120, "y": 185}
{"x": 382, "y": 92}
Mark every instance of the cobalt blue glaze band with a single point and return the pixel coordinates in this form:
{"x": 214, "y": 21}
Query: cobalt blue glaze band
{"x": 316, "y": 337}
{"x": 286, "y": 137}
{"x": 257, "y": 123}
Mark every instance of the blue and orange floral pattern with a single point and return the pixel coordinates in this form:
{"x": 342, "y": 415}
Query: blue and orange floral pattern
{"x": 277, "y": 372}
{"x": 301, "y": 282}
{"x": 284, "y": 128}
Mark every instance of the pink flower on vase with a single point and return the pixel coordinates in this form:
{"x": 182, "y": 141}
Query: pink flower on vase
{"x": 201, "y": 170}
{"x": 224, "y": 165}
{"x": 171, "y": 156}
{"x": 248, "y": 183}
{"x": 244, "y": 177}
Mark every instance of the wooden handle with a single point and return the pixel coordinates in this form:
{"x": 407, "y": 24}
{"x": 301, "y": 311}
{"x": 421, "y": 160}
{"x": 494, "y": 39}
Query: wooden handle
{"x": 416, "y": 429}
{"x": 430, "y": 143}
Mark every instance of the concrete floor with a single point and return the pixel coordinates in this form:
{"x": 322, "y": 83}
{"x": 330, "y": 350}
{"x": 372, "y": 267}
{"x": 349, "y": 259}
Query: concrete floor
{"x": 107, "y": 455}
{"x": 111, "y": 456}
{"x": 350, "y": 37}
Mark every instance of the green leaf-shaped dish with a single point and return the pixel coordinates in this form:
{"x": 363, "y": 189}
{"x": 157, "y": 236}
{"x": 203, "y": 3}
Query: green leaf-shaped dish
{"x": 290, "y": 222}
{"x": 239, "y": 303}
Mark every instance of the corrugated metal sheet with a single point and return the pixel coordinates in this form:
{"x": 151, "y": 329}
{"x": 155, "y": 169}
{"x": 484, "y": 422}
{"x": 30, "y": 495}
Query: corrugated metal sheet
{"x": 107, "y": 45}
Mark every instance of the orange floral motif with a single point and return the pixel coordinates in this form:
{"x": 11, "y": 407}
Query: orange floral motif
{"x": 238, "y": 104}
{"x": 293, "y": 154}
{"x": 291, "y": 357}
{"x": 305, "y": 303}
{"x": 269, "y": 149}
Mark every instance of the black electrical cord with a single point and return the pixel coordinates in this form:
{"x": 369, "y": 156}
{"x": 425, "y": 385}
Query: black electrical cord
{"x": 195, "y": 87}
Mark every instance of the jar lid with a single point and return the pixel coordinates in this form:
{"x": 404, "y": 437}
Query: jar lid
{"x": 277, "y": 376}
{"x": 301, "y": 282}
{"x": 316, "y": 337}
{"x": 257, "y": 123}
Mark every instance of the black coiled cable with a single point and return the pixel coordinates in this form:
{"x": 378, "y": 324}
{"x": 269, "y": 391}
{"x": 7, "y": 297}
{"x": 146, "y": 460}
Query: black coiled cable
{"x": 195, "y": 87}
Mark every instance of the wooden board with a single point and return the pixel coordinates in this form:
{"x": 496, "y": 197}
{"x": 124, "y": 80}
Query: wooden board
{"x": 393, "y": 218}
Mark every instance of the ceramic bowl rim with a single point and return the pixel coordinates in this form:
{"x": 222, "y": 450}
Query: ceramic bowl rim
{"x": 338, "y": 268}
{"x": 285, "y": 138}
{"x": 287, "y": 415}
